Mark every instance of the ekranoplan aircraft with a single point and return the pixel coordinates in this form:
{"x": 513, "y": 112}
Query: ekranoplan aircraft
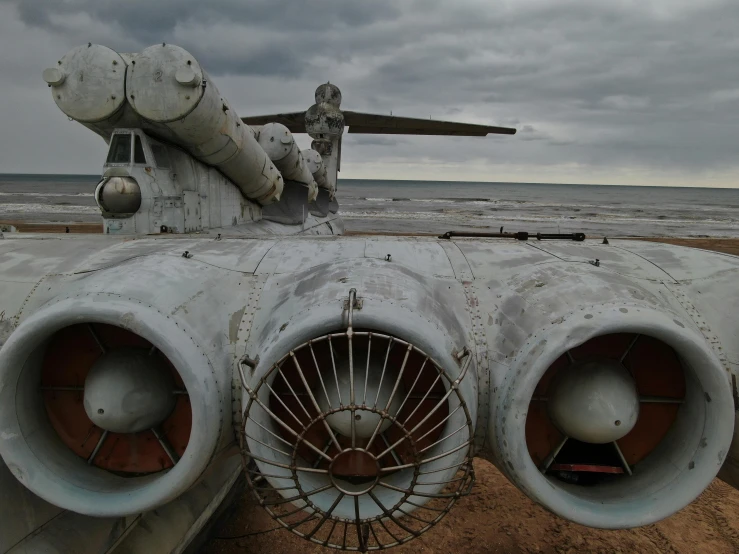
{"x": 218, "y": 326}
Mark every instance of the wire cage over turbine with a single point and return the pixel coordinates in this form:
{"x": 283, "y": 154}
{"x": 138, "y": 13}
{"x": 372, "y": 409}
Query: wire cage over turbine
{"x": 358, "y": 440}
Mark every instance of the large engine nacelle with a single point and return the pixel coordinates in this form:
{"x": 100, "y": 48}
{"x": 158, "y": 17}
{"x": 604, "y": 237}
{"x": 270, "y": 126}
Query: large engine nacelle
{"x": 107, "y": 407}
{"x": 359, "y": 421}
{"x": 615, "y": 416}
{"x": 367, "y": 382}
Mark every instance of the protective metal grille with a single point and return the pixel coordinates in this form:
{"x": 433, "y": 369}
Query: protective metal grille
{"x": 358, "y": 440}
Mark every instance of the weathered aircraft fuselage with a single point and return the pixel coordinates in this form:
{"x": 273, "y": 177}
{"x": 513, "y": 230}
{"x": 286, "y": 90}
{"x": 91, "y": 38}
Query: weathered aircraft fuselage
{"x": 208, "y": 333}
{"x": 230, "y": 309}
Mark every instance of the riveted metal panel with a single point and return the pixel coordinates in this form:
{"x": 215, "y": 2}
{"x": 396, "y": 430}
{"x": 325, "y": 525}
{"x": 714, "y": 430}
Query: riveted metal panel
{"x": 680, "y": 262}
{"x": 304, "y": 254}
{"x": 460, "y": 265}
{"x": 610, "y": 257}
{"x": 193, "y": 217}
{"x": 421, "y": 255}
{"x": 496, "y": 258}
{"x": 243, "y": 255}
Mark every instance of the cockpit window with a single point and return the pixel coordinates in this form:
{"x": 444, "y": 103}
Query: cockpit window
{"x": 120, "y": 149}
{"x": 160, "y": 155}
{"x": 138, "y": 152}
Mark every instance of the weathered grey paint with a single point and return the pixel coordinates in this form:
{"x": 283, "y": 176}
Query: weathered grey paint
{"x": 318, "y": 170}
{"x": 31, "y": 525}
{"x": 280, "y": 146}
{"x": 213, "y": 173}
{"x": 167, "y": 86}
{"x": 515, "y": 305}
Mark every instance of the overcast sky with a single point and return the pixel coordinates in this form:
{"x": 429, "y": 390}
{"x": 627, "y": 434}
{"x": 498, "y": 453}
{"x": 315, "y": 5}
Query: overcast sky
{"x": 622, "y": 92}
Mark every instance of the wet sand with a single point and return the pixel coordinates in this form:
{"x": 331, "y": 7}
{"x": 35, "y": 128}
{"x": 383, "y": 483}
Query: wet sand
{"x": 727, "y": 246}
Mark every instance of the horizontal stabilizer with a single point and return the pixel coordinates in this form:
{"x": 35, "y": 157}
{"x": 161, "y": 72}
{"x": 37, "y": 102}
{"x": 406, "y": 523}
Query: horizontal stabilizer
{"x": 374, "y": 124}
{"x": 295, "y": 122}
{"x": 391, "y": 125}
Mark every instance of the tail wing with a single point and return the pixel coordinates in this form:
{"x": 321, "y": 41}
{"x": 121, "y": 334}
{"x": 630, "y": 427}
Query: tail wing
{"x": 375, "y": 124}
{"x": 295, "y": 122}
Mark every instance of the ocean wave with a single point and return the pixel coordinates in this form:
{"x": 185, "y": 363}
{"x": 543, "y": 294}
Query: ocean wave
{"x": 45, "y": 194}
{"x": 547, "y": 219}
{"x": 460, "y": 204}
{"x": 46, "y": 208}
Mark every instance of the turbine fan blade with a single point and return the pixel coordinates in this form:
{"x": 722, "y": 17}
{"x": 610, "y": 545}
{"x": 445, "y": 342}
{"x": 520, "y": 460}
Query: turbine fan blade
{"x": 295, "y": 122}
{"x": 366, "y": 123}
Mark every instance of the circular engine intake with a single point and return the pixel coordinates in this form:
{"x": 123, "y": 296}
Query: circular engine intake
{"x": 603, "y": 406}
{"x": 358, "y": 440}
{"x": 618, "y": 422}
{"x": 107, "y": 406}
{"x": 114, "y": 399}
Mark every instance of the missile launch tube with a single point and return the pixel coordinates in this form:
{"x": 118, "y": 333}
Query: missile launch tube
{"x": 279, "y": 144}
{"x": 89, "y": 85}
{"x": 167, "y": 86}
{"x": 316, "y": 167}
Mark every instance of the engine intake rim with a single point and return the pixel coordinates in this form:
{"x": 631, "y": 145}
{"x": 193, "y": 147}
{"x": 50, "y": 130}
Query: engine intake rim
{"x": 44, "y": 463}
{"x": 673, "y": 473}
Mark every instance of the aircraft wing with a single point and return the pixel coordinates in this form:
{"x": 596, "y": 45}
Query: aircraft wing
{"x": 376, "y": 124}
{"x": 525, "y": 336}
{"x": 295, "y": 122}
{"x": 367, "y": 123}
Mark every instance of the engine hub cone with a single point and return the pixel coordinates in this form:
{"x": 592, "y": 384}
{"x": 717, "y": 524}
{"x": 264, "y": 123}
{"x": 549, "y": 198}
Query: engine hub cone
{"x": 128, "y": 391}
{"x": 594, "y": 402}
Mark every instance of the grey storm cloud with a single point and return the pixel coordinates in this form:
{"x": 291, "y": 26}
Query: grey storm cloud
{"x": 647, "y": 87}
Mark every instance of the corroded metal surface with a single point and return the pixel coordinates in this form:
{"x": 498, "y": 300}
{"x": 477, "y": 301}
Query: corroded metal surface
{"x": 516, "y": 306}
{"x": 369, "y": 467}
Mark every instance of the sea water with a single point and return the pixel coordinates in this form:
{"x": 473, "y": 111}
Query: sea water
{"x": 436, "y": 207}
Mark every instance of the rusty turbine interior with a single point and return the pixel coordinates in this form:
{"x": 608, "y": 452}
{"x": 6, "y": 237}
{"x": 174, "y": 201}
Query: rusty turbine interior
{"x": 70, "y": 355}
{"x": 659, "y": 379}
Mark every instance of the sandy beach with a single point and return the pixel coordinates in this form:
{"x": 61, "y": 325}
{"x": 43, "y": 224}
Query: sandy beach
{"x": 497, "y": 517}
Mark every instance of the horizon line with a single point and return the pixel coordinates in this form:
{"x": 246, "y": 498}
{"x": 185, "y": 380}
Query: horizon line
{"x": 96, "y": 176}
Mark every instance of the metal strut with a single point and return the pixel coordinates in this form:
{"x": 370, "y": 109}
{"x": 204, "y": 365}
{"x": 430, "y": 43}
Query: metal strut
{"x": 520, "y": 235}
